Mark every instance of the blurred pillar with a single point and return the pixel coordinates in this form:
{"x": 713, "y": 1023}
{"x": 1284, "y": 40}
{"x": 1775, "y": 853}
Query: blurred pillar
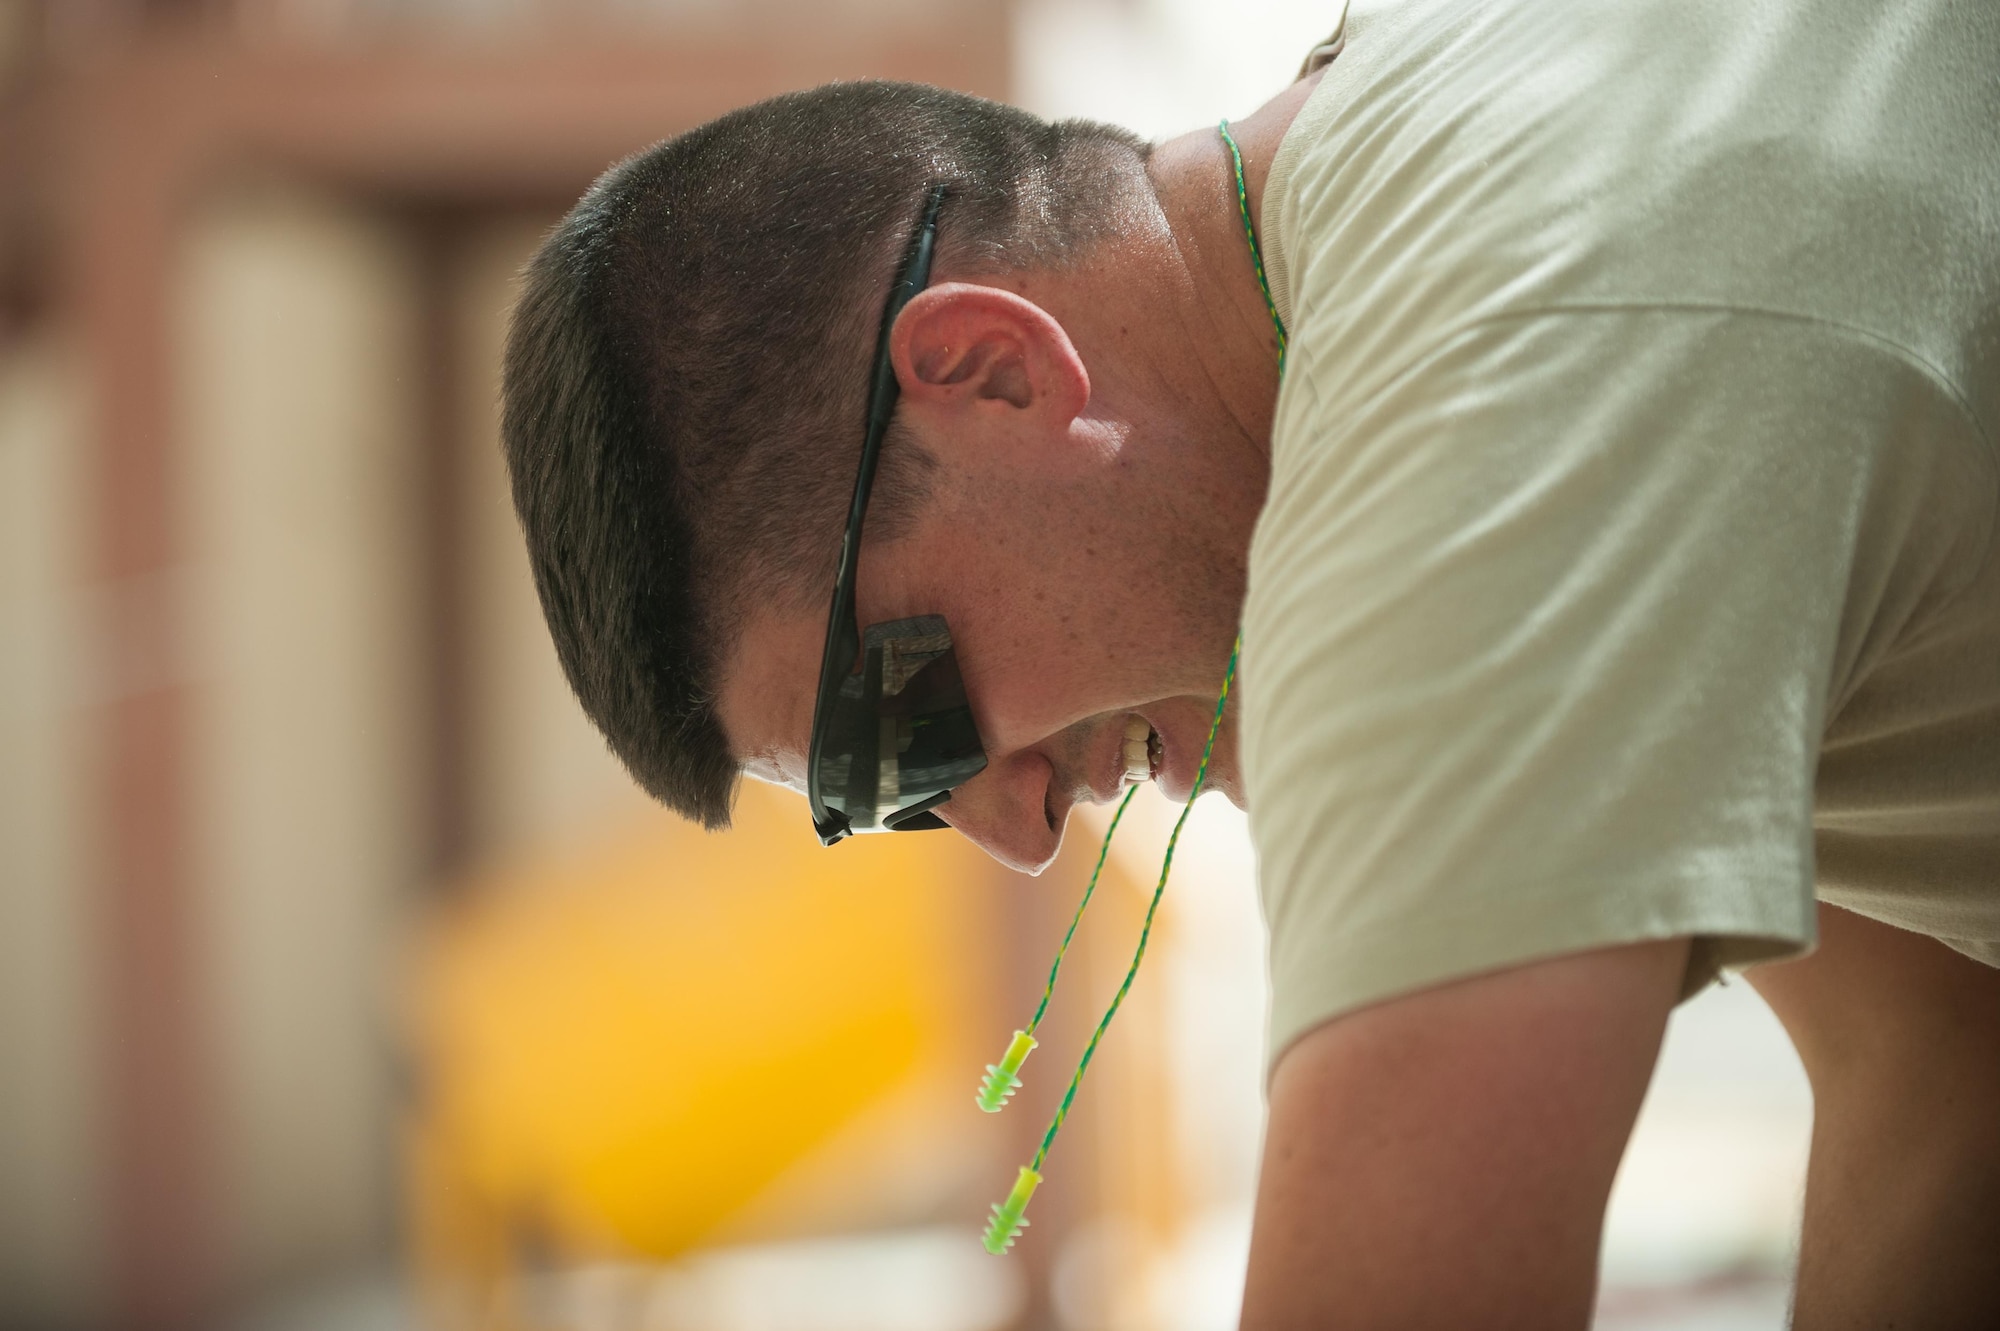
{"x": 160, "y": 1217}
{"x": 445, "y": 636}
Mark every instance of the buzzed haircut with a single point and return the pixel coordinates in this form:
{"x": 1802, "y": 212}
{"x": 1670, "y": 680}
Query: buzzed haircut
{"x": 684, "y": 381}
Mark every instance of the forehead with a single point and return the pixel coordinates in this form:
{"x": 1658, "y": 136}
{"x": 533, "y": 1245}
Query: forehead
{"x": 765, "y": 696}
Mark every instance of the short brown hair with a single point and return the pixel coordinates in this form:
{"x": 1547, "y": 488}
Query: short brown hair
{"x": 685, "y": 373}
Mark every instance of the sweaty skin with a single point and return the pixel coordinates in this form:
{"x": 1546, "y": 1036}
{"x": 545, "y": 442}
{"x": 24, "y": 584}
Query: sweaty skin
{"x": 1442, "y": 1159}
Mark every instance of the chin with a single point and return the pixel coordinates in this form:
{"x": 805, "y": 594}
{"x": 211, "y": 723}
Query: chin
{"x": 1222, "y": 779}
{"x": 1176, "y": 778}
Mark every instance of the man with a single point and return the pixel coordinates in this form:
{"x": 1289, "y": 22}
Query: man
{"x": 1615, "y": 562}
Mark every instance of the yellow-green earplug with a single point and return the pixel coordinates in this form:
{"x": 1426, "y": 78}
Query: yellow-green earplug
{"x": 1008, "y": 1217}
{"x": 1000, "y": 1080}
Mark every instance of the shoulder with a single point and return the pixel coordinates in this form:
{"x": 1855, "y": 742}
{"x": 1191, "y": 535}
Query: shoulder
{"x": 1461, "y": 161}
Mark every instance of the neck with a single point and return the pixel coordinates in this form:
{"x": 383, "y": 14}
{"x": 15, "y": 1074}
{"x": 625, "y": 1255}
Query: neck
{"x": 1221, "y": 317}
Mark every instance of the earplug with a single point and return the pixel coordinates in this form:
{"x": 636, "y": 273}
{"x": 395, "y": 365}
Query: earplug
{"x": 1000, "y": 1081}
{"x": 1008, "y": 1216}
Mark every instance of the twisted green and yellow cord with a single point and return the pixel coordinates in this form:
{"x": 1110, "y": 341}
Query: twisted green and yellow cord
{"x": 1256, "y": 251}
{"x": 1145, "y": 930}
{"x": 1001, "y": 1080}
{"x": 1008, "y": 1218}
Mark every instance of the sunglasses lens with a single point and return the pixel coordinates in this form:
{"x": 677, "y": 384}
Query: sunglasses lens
{"x": 899, "y": 735}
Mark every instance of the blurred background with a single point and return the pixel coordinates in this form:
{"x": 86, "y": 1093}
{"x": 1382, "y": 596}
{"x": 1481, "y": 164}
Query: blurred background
{"x": 345, "y": 982}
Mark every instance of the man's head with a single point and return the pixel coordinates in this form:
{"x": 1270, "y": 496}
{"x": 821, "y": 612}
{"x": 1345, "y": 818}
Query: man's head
{"x": 684, "y": 398}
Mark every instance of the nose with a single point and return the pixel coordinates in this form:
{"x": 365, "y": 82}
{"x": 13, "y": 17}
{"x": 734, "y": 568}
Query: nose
{"x": 1007, "y": 809}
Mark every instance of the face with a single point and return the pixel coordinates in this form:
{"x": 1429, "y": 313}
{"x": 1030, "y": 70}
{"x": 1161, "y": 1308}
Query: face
{"x": 1086, "y": 546}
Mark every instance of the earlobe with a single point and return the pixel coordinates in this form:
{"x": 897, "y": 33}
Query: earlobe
{"x": 972, "y": 344}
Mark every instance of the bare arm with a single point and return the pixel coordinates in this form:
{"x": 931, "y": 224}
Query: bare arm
{"x": 1900, "y": 1036}
{"x": 1444, "y": 1159}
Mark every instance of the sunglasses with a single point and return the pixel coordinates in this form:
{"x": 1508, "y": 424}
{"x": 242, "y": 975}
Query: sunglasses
{"x": 892, "y": 732}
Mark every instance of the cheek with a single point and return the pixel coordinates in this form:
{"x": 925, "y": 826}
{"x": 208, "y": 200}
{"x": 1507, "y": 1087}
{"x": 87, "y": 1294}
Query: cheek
{"x": 1024, "y": 689}
{"x": 1047, "y": 646}
{"x": 1031, "y": 699}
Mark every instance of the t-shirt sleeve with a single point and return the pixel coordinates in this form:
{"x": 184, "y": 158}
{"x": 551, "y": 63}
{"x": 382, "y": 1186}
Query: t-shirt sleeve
{"x": 1539, "y": 644}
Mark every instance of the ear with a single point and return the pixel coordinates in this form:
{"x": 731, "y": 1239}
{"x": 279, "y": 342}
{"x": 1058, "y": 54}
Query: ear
{"x": 960, "y": 346}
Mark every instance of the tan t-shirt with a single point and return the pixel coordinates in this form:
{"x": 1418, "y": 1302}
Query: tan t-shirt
{"x": 1629, "y": 569}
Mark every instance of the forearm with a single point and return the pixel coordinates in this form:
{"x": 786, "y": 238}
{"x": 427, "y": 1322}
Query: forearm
{"x": 1902, "y": 1217}
{"x": 1901, "y": 1037}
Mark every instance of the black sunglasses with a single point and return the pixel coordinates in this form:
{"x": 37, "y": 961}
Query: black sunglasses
{"x": 891, "y": 738}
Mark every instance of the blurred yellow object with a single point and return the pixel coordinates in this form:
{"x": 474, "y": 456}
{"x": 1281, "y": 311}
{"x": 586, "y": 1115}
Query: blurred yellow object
{"x": 622, "y": 1052}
